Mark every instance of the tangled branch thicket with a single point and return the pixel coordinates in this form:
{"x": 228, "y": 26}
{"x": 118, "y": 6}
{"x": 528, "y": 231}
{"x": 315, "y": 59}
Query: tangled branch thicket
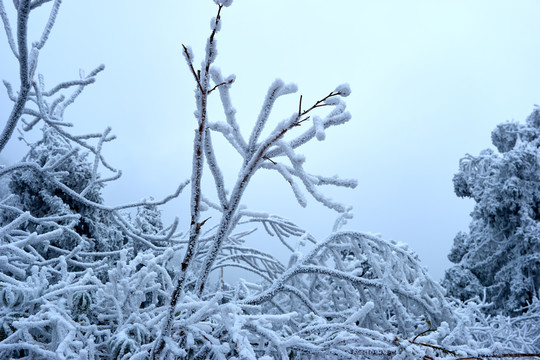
{"x": 83, "y": 280}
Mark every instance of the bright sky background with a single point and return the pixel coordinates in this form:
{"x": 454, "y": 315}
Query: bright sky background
{"x": 430, "y": 80}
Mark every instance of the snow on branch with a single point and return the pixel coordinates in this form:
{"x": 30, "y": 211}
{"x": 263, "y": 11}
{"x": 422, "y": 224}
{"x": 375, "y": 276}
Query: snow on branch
{"x": 7, "y": 28}
{"x": 23, "y": 11}
{"x": 49, "y": 25}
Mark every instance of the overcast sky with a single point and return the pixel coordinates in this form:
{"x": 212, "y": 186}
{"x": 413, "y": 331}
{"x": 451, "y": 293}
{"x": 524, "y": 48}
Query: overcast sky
{"x": 430, "y": 80}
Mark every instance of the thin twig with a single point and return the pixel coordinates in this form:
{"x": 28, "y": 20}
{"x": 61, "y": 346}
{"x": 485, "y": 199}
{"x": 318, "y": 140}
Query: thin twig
{"x": 423, "y": 333}
{"x": 190, "y": 63}
{"x": 216, "y": 86}
{"x": 320, "y": 103}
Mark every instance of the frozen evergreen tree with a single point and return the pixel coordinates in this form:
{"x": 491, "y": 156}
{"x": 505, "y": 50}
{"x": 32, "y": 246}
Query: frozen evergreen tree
{"x": 148, "y": 219}
{"x": 38, "y": 195}
{"x": 499, "y": 257}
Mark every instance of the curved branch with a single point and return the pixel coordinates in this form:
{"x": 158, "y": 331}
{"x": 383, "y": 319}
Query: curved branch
{"x": 18, "y": 107}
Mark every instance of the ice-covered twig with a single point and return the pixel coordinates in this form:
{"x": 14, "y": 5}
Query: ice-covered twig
{"x": 92, "y": 182}
{"x": 67, "y": 84}
{"x": 203, "y": 81}
{"x": 261, "y": 263}
{"x": 7, "y": 28}
{"x": 215, "y": 170}
{"x": 38, "y": 3}
{"x": 62, "y": 107}
{"x": 49, "y": 25}
{"x": 337, "y": 116}
{"x": 282, "y": 228}
{"x": 230, "y": 112}
{"x": 22, "y": 30}
{"x": 277, "y": 89}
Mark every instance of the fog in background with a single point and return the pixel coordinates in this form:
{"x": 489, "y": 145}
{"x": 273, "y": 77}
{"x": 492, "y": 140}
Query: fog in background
{"x": 429, "y": 79}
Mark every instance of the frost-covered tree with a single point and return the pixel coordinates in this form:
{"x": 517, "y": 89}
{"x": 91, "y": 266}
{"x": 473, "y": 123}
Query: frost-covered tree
{"x": 499, "y": 257}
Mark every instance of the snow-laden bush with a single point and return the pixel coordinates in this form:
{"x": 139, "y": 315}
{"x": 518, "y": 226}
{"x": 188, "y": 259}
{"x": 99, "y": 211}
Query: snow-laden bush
{"x": 83, "y": 280}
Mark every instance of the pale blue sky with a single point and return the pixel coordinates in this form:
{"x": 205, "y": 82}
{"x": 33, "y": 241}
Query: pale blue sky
{"x": 430, "y": 80}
